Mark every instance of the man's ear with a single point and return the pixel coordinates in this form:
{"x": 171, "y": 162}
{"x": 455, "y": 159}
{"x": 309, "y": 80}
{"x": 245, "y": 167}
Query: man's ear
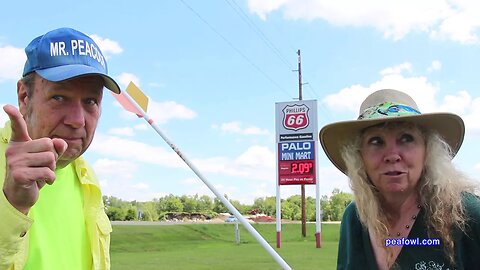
{"x": 22, "y": 96}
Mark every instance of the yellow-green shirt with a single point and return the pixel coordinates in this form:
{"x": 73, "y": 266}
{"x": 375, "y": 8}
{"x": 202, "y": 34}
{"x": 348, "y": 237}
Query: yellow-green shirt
{"x": 15, "y": 226}
{"x": 58, "y": 238}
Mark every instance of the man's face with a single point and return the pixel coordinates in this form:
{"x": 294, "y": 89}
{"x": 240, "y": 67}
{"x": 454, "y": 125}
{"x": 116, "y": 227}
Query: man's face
{"x": 68, "y": 110}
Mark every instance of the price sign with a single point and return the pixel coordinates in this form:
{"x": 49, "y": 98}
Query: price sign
{"x": 296, "y": 163}
{"x": 296, "y": 135}
{"x": 302, "y": 167}
{"x": 297, "y": 167}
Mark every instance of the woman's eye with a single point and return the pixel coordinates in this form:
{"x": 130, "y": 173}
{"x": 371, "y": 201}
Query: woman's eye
{"x": 406, "y": 138}
{"x": 375, "y": 141}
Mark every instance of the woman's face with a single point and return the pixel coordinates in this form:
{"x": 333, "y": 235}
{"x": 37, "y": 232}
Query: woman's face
{"x": 394, "y": 157}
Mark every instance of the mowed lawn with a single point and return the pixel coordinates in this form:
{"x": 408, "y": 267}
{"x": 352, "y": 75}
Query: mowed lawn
{"x": 213, "y": 246}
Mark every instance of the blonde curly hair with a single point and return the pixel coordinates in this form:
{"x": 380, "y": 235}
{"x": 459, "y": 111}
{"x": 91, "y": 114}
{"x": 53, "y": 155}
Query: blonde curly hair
{"x": 439, "y": 190}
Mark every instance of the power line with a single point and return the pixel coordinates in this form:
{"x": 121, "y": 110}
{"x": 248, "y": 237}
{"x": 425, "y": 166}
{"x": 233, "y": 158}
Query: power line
{"x": 257, "y": 30}
{"x": 327, "y": 112}
{"x": 233, "y": 47}
{"x": 274, "y": 49}
{"x": 289, "y": 44}
{"x": 311, "y": 89}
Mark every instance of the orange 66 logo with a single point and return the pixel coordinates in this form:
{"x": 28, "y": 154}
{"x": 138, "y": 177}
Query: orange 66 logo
{"x": 295, "y": 117}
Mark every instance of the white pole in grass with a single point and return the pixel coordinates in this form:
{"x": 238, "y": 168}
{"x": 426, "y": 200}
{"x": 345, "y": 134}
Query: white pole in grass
{"x": 230, "y": 207}
{"x": 237, "y": 234}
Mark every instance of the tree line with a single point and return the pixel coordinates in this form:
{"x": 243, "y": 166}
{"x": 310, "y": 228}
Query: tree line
{"x": 162, "y": 208}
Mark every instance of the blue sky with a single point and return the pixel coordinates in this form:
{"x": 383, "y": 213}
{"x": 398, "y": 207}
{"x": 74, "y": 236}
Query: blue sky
{"x": 213, "y": 71}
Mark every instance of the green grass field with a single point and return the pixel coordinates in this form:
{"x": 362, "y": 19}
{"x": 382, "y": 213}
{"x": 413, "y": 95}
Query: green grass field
{"x": 212, "y": 246}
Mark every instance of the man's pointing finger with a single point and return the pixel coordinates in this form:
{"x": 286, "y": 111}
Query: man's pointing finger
{"x": 19, "y": 126}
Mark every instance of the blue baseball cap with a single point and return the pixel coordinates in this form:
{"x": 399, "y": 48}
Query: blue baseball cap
{"x": 64, "y": 54}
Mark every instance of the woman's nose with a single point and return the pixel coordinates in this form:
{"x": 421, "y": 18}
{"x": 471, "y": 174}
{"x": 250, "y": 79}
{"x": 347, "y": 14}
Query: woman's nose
{"x": 392, "y": 156}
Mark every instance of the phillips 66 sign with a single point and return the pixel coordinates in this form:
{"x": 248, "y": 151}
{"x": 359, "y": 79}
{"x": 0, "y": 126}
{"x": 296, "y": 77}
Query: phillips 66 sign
{"x": 295, "y": 117}
{"x": 296, "y": 136}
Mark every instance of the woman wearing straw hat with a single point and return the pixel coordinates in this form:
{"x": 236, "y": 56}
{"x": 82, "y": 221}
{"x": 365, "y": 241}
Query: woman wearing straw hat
{"x": 413, "y": 209}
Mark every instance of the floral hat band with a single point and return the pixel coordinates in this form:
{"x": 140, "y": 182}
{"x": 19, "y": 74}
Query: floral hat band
{"x": 388, "y": 109}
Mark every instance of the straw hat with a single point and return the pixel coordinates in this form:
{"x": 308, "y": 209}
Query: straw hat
{"x": 389, "y": 105}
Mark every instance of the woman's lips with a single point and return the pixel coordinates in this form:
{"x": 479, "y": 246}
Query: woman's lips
{"x": 393, "y": 173}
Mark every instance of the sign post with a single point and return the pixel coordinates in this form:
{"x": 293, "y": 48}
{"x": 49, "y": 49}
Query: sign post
{"x": 297, "y": 139}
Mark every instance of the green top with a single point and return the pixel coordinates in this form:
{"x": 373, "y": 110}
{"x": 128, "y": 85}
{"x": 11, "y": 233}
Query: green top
{"x": 59, "y": 224}
{"x": 355, "y": 250}
{"x": 15, "y": 226}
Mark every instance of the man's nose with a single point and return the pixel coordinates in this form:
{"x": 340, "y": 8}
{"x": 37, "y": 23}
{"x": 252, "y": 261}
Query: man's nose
{"x": 75, "y": 116}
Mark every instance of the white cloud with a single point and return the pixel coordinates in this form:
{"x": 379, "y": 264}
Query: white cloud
{"x": 472, "y": 116}
{"x": 160, "y": 112}
{"x": 262, "y": 8}
{"x": 115, "y": 168}
{"x": 257, "y": 157}
{"x": 126, "y": 131}
{"x": 12, "y": 62}
{"x": 350, "y": 98}
{"x": 455, "y": 20}
{"x": 257, "y": 162}
{"x": 468, "y": 107}
{"x": 191, "y": 181}
{"x": 347, "y": 99}
{"x": 165, "y": 111}
{"x": 125, "y": 78}
{"x": 136, "y": 151}
{"x": 459, "y": 103}
{"x": 235, "y": 127}
{"x": 142, "y": 126}
{"x": 256, "y": 165}
{"x": 195, "y": 186}
{"x": 397, "y": 69}
{"x": 255, "y": 131}
{"x": 140, "y": 186}
{"x": 436, "y": 65}
{"x": 117, "y": 178}
{"x": 107, "y": 46}
{"x": 461, "y": 24}
{"x": 419, "y": 88}
{"x": 231, "y": 127}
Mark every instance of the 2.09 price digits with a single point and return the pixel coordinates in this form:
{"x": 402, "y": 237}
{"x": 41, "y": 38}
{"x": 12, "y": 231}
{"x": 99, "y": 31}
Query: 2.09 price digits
{"x": 301, "y": 167}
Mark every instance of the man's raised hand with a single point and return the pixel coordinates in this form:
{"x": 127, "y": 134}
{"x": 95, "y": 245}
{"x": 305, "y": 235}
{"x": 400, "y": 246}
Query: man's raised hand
{"x": 29, "y": 163}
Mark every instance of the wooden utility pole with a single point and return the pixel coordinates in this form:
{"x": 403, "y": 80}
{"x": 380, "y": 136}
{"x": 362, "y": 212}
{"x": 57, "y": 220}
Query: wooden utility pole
{"x": 299, "y": 76}
{"x": 304, "y": 214}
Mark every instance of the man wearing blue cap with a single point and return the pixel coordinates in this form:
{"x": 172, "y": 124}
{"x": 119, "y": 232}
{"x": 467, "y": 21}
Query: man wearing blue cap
{"x": 61, "y": 225}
